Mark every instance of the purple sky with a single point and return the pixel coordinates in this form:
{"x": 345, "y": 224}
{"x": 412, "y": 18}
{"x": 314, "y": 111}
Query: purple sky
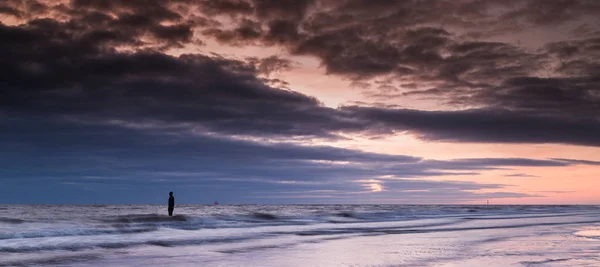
{"x": 267, "y": 101}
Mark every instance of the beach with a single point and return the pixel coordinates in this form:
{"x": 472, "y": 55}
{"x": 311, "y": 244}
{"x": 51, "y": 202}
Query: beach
{"x": 299, "y": 235}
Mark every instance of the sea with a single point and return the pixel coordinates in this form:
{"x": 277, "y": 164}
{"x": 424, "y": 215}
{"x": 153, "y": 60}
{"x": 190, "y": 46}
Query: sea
{"x": 300, "y": 235}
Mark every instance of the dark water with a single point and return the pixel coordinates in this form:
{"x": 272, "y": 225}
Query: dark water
{"x": 63, "y": 234}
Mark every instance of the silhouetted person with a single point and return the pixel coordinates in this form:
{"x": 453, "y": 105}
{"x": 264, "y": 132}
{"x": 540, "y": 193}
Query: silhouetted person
{"x": 171, "y": 203}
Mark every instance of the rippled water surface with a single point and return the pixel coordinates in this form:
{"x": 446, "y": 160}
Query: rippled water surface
{"x": 222, "y": 235}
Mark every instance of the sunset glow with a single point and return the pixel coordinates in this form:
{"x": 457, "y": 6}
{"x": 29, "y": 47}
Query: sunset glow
{"x": 304, "y": 102}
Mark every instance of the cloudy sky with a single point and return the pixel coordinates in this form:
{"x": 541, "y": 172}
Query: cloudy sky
{"x": 305, "y": 101}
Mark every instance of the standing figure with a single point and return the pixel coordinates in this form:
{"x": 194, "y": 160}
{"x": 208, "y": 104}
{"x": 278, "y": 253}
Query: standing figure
{"x": 171, "y": 203}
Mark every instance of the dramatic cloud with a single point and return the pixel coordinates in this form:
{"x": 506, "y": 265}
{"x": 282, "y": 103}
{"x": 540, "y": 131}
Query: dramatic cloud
{"x": 97, "y": 92}
{"x": 53, "y": 69}
{"x": 48, "y": 74}
{"x": 500, "y": 126}
{"x": 448, "y": 49}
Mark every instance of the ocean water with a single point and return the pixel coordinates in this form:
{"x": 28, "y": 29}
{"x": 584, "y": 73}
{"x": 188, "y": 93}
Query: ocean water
{"x": 299, "y": 235}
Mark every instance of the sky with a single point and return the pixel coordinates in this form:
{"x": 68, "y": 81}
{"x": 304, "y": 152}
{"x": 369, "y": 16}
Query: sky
{"x": 306, "y": 101}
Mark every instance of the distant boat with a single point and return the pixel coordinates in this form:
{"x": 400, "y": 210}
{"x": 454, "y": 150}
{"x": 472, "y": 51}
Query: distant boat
{"x": 216, "y": 203}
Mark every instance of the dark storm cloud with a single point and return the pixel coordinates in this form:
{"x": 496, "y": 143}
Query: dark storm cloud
{"x": 98, "y": 65}
{"x": 246, "y": 32}
{"x": 444, "y": 47}
{"x": 551, "y": 13}
{"x": 52, "y": 69}
{"x": 352, "y": 56}
{"x": 143, "y": 24}
{"x": 6, "y": 10}
{"x": 294, "y": 10}
{"x": 157, "y": 8}
{"x": 230, "y": 7}
{"x": 20, "y": 9}
{"x": 426, "y": 46}
{"x": 271, "y": 64}
{"x": 176, "y": 34}
{"x": 571, "y": 96}
{"x": 502, "y": 126}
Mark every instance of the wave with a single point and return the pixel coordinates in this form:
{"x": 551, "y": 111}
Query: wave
{"x": 264, "y": 216}
{"x": 74, "y": 232}
{"x": 53, "y": 260}
{"x": 145, "y": 218}
{"x": 173, "y": 238}
{"x": 346, "y": 215}
{"x": 75, "y": 228}
{"x": 544, "y": 262}
{"x": 11, "y": 220}
{"x": 82, "y": 245}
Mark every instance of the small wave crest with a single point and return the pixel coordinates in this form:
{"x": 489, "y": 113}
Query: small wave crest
{"x": 347, "y": 215}
{"x": 11, "y": 220}
{"x": 264, "y": 216}
{"x": 82, "y": 244}
{"x": 53, "y": 260}
{"x": 75, "y": 232}
{"x": 147, "y": 218}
